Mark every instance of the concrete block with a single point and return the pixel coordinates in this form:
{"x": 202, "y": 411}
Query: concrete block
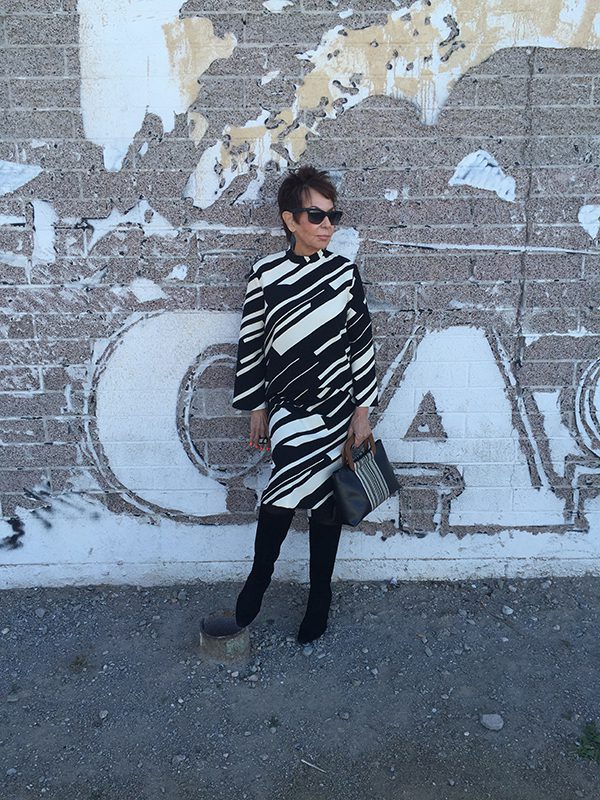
{"x": 19, "y": 326}
{"x": 546, "y": 374}
{"x": 556, "y": 91}
{"x": 416, "y": 267}
{"x": 72, "y": 62}
{"x": 591, "y": 266}
{"x": 496, "y": 266}
{"x": 493, "y": 296}
{"x": 33, "y": 353}
{"x": 19, "y": 379}
{"x": 553, "y": 266}
{"x": 42, "y": 30}
{"x": 556, "y": 180}
{"x": 30, "y": 124}
{"x": 305, "y": 31}
{"x": 53, "y": 184}
{"x": 32, "y": 61}
{"x": 551, "y": 321}
{"x": 563, "y": 122}
{"x": 64, "y": 431}
{"x": 222, "y": 297}
{"x": 40, "y": 455}
{"x": 16, "y": 431}
{"x": 499, "y": 91}
{"x": 565, "y": 236}
{"x": 567, "y": 151}
{"x": 564, "y": 294}
{"x": 15, "y": 481}
{"x": 482, "y": 121}
{"x": 566, "y": 62}
{"x": 38, "y": 94}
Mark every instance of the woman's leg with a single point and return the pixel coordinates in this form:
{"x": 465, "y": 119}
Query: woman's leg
{"x": 324, "y": 534}
{"x": 273, "y": 525}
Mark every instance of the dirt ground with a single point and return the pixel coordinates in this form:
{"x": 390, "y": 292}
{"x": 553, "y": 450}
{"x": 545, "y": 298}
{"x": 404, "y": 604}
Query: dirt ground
{"x": 105, "y": 694}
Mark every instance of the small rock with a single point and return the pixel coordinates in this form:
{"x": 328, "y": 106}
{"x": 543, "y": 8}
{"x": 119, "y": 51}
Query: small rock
{"x": 11, "y": 771}
{"x": 546, "y": 584}
{"x": 556, "y": 628}
{"x": 235, "y": 674}
{"x": 182, "y": 595}
{"x": 5, "y": 631}
{"x": 507, "y": 611}
{"x": 12, "y": 698}
{"x": 179, "y": 759}
{"x": 493, "y": 722}
{"x": 308, "y": 651}
{"x": 272, "y": 729}
{"x": 451, "y": 782}
{"x": 253, "y": 678}
{"x": 103, "y": 714}
{"x": 428, "y": 651}
{"x": 344, "y": 715}
{"x": 40, "y": 612}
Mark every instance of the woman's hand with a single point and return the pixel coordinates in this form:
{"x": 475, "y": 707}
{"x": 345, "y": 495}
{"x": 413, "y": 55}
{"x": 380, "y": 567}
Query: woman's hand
{"x": 259, "y": 429}
{"x": 359, "y": 426}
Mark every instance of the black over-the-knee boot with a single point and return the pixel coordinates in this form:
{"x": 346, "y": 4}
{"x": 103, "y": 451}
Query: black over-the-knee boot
{"x": 324, "y": 539}
{"x": 273, "y": 525}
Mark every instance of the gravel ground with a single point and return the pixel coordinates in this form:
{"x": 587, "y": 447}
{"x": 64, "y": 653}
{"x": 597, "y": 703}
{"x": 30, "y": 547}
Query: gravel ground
{"x": 105, "y": 695}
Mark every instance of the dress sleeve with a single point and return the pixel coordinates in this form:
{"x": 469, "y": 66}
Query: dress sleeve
{"x": 362, "y": 355}
{"x": 249, "y": 386}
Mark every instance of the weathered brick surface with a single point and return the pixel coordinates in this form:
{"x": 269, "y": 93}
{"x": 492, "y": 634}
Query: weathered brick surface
{"x": 432, "y": 256}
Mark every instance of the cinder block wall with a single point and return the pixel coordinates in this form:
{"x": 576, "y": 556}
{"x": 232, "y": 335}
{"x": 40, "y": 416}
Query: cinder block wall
{"x": 142, "y": 145}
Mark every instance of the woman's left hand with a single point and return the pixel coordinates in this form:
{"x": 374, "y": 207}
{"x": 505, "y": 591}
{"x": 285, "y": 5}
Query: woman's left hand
{"x": 359, "y": 426}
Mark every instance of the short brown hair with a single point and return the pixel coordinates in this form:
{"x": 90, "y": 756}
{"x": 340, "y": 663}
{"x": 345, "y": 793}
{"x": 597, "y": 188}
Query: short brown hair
{"x": 295, "y": 186}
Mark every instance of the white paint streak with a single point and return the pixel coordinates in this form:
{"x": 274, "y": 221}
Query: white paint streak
{"x": 151, "y": 222}
{"x": 44, "y": 234}
{"x": 481, "y": 171}
{"x": 143, "y": 149}
{"x": 130, "y": 67}
{"x": 13, "y": 259}
{"x": 589, "y": 219}
{"x": 391, "y": 195}
{"x": 277, "y": 6}
{"x": 13, "y": 175}
{"x": 10, "y": 219}
{"x": 347, "y": 13}
{"x": 270, "y": 76}
{"x": 560, "y": 440}
{"x": 146, "y": 290}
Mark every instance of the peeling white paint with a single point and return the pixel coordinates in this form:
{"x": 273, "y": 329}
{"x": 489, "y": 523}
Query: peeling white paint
{"x": 151, "y": 222}
{"x": 589, "y": 219}
{"x": 345, "y": 242}
{"x": 270, "y": 76}
{"x": 44, "y": 234}
{"x": 560, "y": 439}
{"x": 13, "y": 259}
{"x": 146, "y": 290}
{"x": 11, "y": 219}
{"x": 481, "y": 171}
{"x": 178, "y": 273}
{"x": 277, "y": 6}
{"x": 347, "y": 13}
{"x": 13, "y": 175}
{"x": 139, "y": 57}
{"x": 391, "y": 195}
{"x": 35, "y": 143}
{"x": 143, "y": 149}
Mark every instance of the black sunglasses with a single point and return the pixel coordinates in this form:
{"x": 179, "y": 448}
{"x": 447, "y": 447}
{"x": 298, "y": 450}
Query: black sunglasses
{"x": 317, "y": 215}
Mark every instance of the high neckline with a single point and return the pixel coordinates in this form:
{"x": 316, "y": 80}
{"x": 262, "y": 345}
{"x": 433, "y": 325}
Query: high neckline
{"x": 303, "y": 259}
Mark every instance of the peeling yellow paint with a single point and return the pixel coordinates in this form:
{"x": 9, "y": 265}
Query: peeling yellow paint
{"x": 419, "y": 54}
{"x": 198, "y": 125}
{"x": 192, "y": 47}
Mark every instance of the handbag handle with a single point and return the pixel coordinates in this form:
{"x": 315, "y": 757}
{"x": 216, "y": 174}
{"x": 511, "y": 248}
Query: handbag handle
{"x": 347, "y": 453}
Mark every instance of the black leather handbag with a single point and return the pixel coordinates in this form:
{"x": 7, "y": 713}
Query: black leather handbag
{"x": 364, "y": 482}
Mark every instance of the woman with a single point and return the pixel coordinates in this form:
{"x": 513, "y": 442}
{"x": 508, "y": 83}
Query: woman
{"x": 306, "y": 371}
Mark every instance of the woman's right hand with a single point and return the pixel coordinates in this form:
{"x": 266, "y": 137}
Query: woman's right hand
{"x": 259, "y": 429}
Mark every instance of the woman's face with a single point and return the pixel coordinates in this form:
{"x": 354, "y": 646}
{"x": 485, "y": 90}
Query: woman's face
{"x": 310, "y": 237}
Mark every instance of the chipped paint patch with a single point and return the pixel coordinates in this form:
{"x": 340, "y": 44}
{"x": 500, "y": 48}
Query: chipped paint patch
{"x": 270, "y": 76}
{"x": 146, "y": 290}
{"x": 13, "y": 176}
{"x": 589, "y": 219}
{"x": 44, "y": 234}
{"x": 481, "y": 171}
{"x": 151, "y": 222}
{"x": 391, "y": 195}
{"x": 178, "y": 273}
{"x": 345, "y": 242}
{"x": 138, "y": 58}
{"x": 418, "y": 54}
{"x": 277, "y": 6}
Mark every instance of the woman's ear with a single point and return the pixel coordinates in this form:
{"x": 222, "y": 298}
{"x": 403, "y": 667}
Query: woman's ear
{"x": 288, "y": 218}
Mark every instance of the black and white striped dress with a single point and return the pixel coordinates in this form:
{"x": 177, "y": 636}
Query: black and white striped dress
{"x": 306, "y": 354}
